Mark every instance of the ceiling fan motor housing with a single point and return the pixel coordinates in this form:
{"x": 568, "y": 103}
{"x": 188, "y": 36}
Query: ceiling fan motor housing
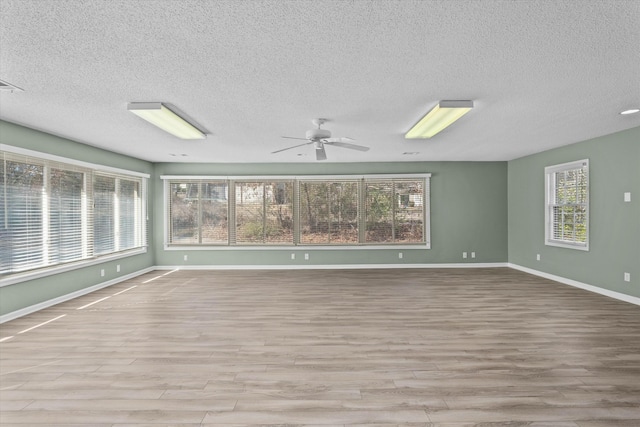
{"x": 315, "y": 134}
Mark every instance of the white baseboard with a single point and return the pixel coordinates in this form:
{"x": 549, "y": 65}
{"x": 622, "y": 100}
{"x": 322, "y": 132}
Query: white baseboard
{"x": 574, "y": 283}
{"x": 328, "y": 266}
{"x": 45, "y": 304}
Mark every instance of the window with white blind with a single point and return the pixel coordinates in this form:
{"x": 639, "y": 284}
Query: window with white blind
{"x": 116, "y": 213}
{"x": 299, "y": 211}
{"x": 263, "y": 213}
{"x": 198, "y": 212}
{"x": 394, "y": 211}
{"x": 53, "y": 212}
{"x": 567, "y": 205}
{"x": 329, "y": 212}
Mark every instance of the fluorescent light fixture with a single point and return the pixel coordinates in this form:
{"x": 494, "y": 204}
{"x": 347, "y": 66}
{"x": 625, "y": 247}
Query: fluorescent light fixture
{"x": 632, "y": 111}
{"x": 159, "y": 115}
{"x": 441, "y": 116}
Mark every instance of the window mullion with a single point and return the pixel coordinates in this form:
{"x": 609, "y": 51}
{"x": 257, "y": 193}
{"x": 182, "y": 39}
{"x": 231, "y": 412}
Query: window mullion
{"x": 116, "y": 215}
{"x": 46, "y": 212}
{"x": 362, "y": 214}
{"x": 264, "y": 212}
{"x": 296, "y": 212}
{"x": 85, "y": 216}
{"x": 199, "y": 212}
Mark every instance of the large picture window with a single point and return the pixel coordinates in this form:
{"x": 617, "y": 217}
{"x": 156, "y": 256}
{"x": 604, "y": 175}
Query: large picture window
{"x": 567, "y": 205}
{"x": 299, "y": 211}
{"x": 53, "y": 213}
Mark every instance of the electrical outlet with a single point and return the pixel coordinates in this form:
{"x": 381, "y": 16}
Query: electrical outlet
{"x": 102, "y": 272}
{"x": 118, "y": 268}
{"x": 186, "y": 257}
{"x": 537, "y": 257}
{"x": 473, "y": 254}
{"x": 306, "y": 257}
{"x": 627, "y": 196}
{"x": 627, "y": 277}
{"x": 464, "y": 254}
{"x": 293, "y": 256}
{"x": 400, "y": 255}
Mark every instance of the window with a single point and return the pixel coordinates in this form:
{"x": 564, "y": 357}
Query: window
{"x": 54, "y": 212}
{"x": 263, "y": 212}
{"x": 329, "y": 212}
{"x": 309, "y": 211}
{"x": 116, "y": 213}
{"x": 198, "y": 212}
{"x": 567, "y": 205}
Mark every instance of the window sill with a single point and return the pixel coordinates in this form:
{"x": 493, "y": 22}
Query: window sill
{"x": 559, "y": 244}
{"x": 419, "y": 246}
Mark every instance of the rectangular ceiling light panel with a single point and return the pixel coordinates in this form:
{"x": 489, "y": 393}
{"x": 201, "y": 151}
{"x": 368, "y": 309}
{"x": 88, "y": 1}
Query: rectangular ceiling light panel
{"x": 159, "y": 115}
{"x": 441, "y": 116}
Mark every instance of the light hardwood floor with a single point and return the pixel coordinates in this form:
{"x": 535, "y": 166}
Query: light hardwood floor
{"x": 449, "y": 347}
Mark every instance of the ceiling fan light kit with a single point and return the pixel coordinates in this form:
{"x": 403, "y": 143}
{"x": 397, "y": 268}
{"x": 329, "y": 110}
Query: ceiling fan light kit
{"x": 159, "y": 115}
{"x": 440, "y": 117}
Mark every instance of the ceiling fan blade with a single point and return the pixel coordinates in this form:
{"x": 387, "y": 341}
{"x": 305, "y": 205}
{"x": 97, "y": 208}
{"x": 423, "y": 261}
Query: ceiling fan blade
{"x": 347, "y": 145}
{"x": 295, "y": 137}
{"x": 321, "y": 154}
{"x": 289, "y": 148}
{"x": 342, "y": 139}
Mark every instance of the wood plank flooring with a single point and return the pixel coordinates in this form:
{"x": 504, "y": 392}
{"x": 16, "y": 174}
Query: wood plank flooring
{"x": 432, "y": 347}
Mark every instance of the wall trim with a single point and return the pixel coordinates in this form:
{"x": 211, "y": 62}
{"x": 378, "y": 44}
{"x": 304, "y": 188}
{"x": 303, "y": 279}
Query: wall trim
{"x": 45, "y": 304}
{"x": 328, "y": 266}
{"x": 591, "y": 288}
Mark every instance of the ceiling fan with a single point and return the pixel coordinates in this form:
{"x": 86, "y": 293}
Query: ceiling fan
{"x": 321, "y": 137}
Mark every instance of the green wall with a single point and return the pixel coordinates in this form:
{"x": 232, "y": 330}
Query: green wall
{"x": 468, "y": 214}
{"x": 495, "y": 209}
{"x": 21, "y": 295}
{"x": 614, "y": 246}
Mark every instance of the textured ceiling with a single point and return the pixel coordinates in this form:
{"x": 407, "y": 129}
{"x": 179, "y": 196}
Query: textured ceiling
{"x": 542, "y": 74}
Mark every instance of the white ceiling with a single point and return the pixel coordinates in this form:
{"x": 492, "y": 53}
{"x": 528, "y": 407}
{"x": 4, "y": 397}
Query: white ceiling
{"x": 542, "y": 74}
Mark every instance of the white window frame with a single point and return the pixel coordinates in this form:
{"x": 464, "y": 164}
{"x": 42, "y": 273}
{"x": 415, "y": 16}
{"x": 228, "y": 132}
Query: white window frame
{"x": 89, "y": 169}
{"x": 197, "y": 247}
{"x": 550, "y": 203}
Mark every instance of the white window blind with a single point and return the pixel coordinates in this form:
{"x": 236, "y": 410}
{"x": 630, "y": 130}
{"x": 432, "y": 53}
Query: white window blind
{"x": 329, "y": 212}
{"x": 263, "y": 212}
{"x": 395, "y": 211}
{"x": 52, "y": 212}
{"x": 198, "y": 212}
{"x": 567, "y": 205}
{"x": 23, "y": 231}
{"x": 67, "y": 238}
{"x": 104, "y": 231}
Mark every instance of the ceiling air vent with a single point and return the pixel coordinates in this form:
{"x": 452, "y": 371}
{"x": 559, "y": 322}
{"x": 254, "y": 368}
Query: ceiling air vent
{"x": 4, "y": 86}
